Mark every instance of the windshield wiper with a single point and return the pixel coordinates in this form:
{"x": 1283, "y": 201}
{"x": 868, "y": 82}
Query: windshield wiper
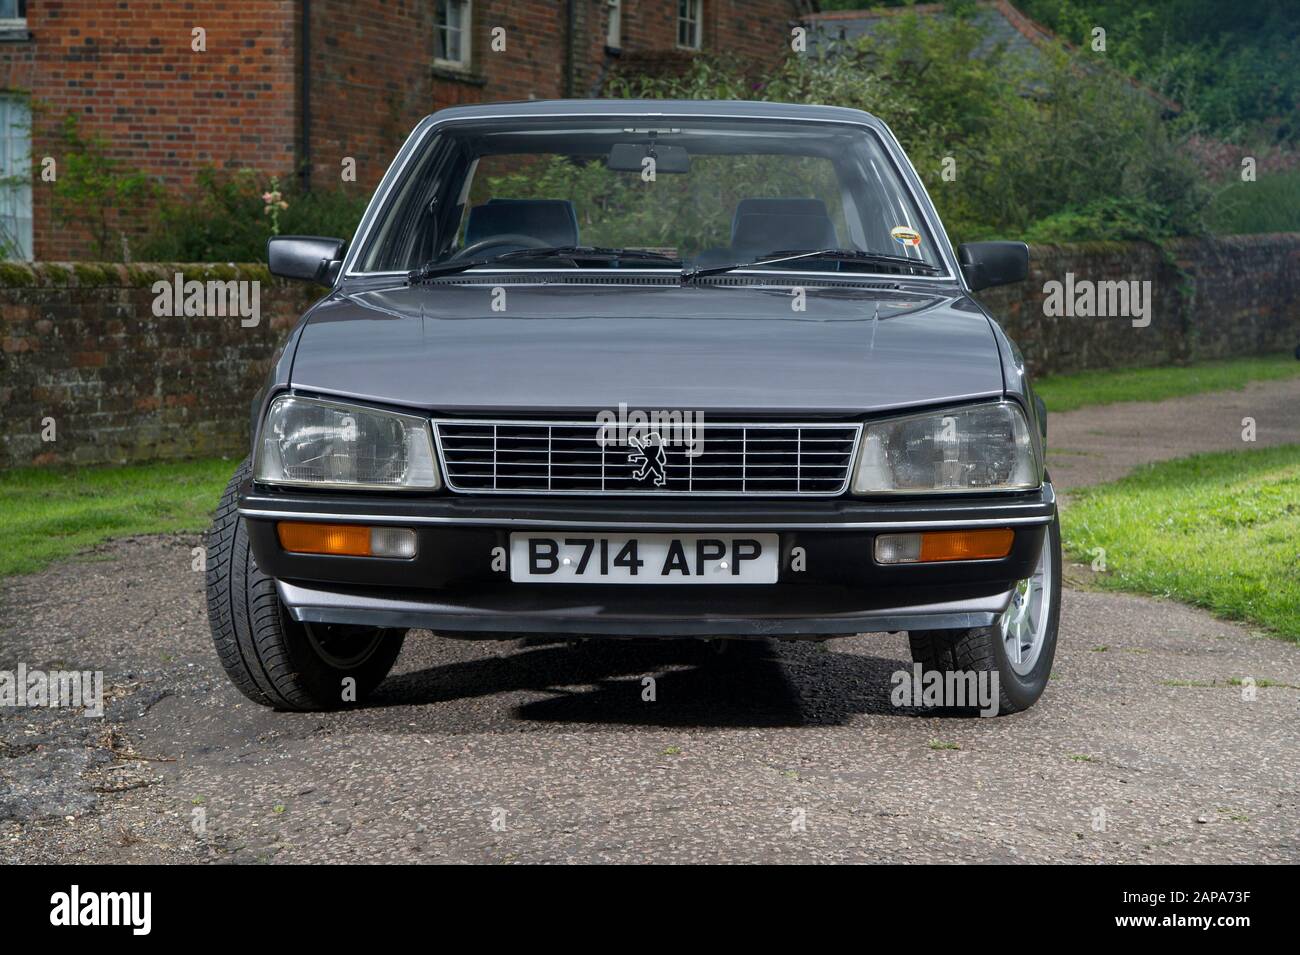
{"x": 842, "y": 255}
{"x": 589, "y": 252}
{"x": 570, "y": 253}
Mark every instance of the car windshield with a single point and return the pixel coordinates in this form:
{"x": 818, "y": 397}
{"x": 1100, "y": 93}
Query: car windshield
{"x": 648, "y": 192}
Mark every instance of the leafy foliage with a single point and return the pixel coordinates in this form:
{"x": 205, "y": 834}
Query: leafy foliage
{"x": 1234, "y": 67}
{"x": 228, "y": 218}
{"x": 94, "y": 193}
{"x": 1030, "y": 142}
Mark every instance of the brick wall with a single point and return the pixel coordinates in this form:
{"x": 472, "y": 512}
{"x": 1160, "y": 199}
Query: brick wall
{"x": 81, "y": 344}
{"x": 128, "y": 71}
{"x": 1211, "y": 298}
{"x": 374, "y": 76}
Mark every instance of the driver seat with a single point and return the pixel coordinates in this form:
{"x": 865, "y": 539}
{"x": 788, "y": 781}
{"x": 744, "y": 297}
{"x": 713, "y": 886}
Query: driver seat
{"x": 552, "y": 221}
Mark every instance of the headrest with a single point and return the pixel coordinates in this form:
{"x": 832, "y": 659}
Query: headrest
{"x": 553, "y": 221}
{"x": 788, "y": 206}
{"x": 759, "y": 233}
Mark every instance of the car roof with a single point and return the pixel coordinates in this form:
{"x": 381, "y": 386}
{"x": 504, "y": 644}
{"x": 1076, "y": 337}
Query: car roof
{"x": 655, "y": 107}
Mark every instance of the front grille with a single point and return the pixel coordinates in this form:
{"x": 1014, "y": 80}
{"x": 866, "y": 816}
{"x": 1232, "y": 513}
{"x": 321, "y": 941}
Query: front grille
{"x": 774, "y": 460}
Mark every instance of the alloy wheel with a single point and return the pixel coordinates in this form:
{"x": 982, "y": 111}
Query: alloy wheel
{"x": 1023, "y": 624}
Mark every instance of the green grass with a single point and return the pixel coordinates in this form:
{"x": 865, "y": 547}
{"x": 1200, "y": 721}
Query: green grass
{"x": 1220, "y": 531}
{"x": 50, "y": 513}
{"x": 1067, "y": 392}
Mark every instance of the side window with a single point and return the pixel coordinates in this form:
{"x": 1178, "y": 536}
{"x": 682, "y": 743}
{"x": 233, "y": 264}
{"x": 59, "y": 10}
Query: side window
{"x": 15, "y": 176}
{"x": 415, "y": 217}
{"x": 453, "y": 34}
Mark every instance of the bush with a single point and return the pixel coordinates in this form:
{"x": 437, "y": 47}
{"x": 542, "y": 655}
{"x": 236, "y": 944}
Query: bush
{"x": 229, "y": 216}
{"x": 1043, "y": 141}
{"x": 1126, "y": 219}
{"x": 226, "y": 216}
{"x": 1270, "y": 204}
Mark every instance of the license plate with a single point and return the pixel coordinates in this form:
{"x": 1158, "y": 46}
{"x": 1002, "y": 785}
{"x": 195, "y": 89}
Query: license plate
{"x": 644, "y": 558}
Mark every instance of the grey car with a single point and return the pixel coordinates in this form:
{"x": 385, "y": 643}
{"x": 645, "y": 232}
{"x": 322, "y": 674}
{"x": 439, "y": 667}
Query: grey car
{"x": 641, "y": 368}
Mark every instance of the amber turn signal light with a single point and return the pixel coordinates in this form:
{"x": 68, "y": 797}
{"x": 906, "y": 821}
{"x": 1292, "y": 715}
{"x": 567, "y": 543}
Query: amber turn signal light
{"x": 346, "y": 540}
{"x": 944, "y": 545}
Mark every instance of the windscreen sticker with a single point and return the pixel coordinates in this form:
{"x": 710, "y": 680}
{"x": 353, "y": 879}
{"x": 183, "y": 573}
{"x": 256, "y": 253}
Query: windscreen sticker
{"x": 905, "y": 235}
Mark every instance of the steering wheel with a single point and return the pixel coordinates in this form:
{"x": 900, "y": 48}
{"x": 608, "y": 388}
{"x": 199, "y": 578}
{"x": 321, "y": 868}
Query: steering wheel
{"x": 517, "y": 239}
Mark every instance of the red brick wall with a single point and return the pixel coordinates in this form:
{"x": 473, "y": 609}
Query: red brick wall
{"x": 126, "y": 68}
{"x": 374, "y": 76}
{"x": 754, "y": 32}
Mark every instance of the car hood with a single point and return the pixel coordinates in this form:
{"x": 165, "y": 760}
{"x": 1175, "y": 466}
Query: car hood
{"x": 719, "y": 349}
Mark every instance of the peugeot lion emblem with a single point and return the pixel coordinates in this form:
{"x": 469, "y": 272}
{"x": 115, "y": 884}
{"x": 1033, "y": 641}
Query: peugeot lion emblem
{"x": 649, "y": 457}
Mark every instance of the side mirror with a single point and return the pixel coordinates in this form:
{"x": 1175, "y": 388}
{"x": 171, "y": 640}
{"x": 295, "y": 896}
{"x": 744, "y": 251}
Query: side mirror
{"x": 986, "y": 264}
{"x": 309, "y": 257}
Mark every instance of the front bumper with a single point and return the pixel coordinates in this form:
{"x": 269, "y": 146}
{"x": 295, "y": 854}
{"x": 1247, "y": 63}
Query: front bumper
{"x": 451, "y": 585}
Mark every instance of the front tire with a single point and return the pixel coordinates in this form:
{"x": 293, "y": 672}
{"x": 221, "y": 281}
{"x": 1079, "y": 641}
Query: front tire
{"x": 272, "y": 659}
{"x": 1019, "y": 647}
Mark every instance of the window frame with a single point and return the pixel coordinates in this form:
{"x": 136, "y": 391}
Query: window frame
{"x": 18, "y": 22}
{"x": 694, "y": 24}
{"x": 466, "y": 31}
{"x": 16, "y": 161}
{"x": 614, "y": 24}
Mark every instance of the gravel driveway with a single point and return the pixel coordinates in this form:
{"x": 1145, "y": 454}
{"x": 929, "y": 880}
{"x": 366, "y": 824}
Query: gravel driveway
{"x": 1144, "y": 748}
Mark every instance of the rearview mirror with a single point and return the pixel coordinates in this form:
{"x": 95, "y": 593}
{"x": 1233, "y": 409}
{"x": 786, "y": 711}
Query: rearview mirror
{"x": 986, "y": 264}
{"x": 630, "y": 157}
{"x": 310, "y": 257}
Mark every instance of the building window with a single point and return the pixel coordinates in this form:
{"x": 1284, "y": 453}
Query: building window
{"x": 614, "y": 29}
{"x": 13, "y": 14}
{"x": 688, "y": 23}
{"x": 453, "y": 34}
{"x": 15, "y": 178}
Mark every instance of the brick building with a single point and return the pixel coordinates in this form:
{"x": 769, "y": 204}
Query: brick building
{"x": 292, "y": 87}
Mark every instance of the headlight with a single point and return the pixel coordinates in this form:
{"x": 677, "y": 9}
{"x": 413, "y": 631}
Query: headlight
{"x": 311, "y": 442}
{"x": 977, "y": 448}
